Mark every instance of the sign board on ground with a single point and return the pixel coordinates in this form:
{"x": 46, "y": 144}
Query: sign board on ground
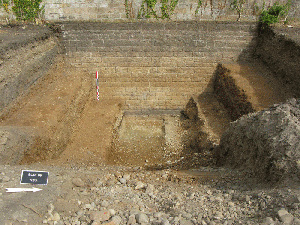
{"x": 34, "y": 177}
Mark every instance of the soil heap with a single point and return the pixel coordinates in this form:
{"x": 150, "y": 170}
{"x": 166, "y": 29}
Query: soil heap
{"x": 266, "y": 142}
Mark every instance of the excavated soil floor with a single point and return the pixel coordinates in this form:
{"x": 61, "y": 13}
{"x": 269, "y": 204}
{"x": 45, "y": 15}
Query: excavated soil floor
{"x": 60, "y": 121}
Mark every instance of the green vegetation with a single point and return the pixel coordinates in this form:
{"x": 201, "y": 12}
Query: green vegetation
{"x": 4, "y": 5}
{"x": 147, "y": 9}
{"x": 275, "y": 13}
{"x": 24, "y": 10}
{"x": 27, "y": 10}
{"x": 167, "y": 8}
{"x": 128, "y": 9}
{"x": 238, "y": 5}
{"x": 198, "y": 7}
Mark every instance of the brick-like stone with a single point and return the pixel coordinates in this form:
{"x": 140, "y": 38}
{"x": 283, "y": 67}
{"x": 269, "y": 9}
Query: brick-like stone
{"x": 150, "y": 64}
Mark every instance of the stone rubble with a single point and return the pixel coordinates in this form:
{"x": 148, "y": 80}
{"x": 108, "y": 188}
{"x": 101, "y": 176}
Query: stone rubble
{"x": 97, "y": 196}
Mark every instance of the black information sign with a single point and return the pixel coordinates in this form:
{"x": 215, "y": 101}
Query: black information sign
{"x": 34, "y": 177}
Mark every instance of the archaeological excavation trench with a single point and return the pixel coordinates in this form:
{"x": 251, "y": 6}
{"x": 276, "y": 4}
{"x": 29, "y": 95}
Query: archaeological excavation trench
{"x": 167, "y": 92}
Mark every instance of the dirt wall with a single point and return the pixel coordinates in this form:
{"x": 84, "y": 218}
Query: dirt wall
{"x": 279, "y": 48}
{"x": 26, "y": 54}
{"x": 230, "y": 95}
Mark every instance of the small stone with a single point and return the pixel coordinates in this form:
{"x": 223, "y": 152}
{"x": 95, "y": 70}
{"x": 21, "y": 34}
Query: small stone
{"x": 282, "y": 212}
{"x": 157, "y": 214}
{"x": 165, "y": 222}
{"x": 218, "y": 215}
{"x": 126, "y": 176}
{"x": 247, "y": 198}
{"x": 230, "y": 192}
{"x": 194, "y": 221}
{"x": 176, "y": 219}
{"x": 187, "y": 215}
{"x": 185, "y": 222}
{"x": 5, "y": 179}
{"x": 209, "y": 192}
{"x": 99, "y": 183}
{"x": 230, "y": 204}
{"x": 118, "y": 174}
{"x": 61, "y": 223}
{"x": 94, "y": 223}
{"x": 50, "y": 208}
{"x": 78, "y": 182}
{"x": 111, "y": 182}
{"x": 112, "y": 212}
{"x": 117, "y": 220}
{"x": 142, "y": 218}
{"x": 131, "y": 220}
{"x": 88, "y": 206}
{"x": 80, "y": 213}
{"x": 104, "y": 203}
{"x": 100, "y": 216}
{"x": 268, "y": 221}
{"x": 296, "y": 221}
{"x": 287, "y": 218}
{"x": 122, "y": 180}
{"x": 139, "y": 185}
{"x": 56, "y": 217}
{"x": 134, "y": 211}
{"x": 150, "y": 189}
{"x": 165, "y": 176}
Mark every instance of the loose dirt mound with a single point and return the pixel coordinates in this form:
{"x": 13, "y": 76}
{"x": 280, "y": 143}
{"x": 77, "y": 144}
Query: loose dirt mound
{"x": 267, "y": 142}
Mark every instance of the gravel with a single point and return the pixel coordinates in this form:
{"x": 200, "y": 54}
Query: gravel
{"x": 91, "y": 195}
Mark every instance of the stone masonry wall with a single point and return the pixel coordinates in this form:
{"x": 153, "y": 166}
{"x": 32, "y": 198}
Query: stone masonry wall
{"x": 155, "y": 65}
{"x": 112, "y": 10}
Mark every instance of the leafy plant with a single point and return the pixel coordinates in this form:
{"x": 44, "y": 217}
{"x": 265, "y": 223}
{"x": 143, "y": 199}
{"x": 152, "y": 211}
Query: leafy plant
{"x": 198, "y": 7}
{"x": 167, "y": 9}
{"x": 27, "y": 10}
{"x": 129, "y": 9}
{"x": 5, "y": 4}
{"x": 275, "y": 13}
{"x": 148, "y": 9}
{"x": 238, "y": 5}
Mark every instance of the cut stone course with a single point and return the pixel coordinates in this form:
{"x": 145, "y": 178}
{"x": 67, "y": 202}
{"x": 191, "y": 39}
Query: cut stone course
{"x": 135, "y": 56}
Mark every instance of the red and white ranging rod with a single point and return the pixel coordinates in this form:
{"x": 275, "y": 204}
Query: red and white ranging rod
{"x": 97, "y": 86}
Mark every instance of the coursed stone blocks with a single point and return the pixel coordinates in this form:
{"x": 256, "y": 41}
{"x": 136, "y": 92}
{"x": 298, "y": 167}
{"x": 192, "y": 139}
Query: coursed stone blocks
{"x": 153, "y": 65}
